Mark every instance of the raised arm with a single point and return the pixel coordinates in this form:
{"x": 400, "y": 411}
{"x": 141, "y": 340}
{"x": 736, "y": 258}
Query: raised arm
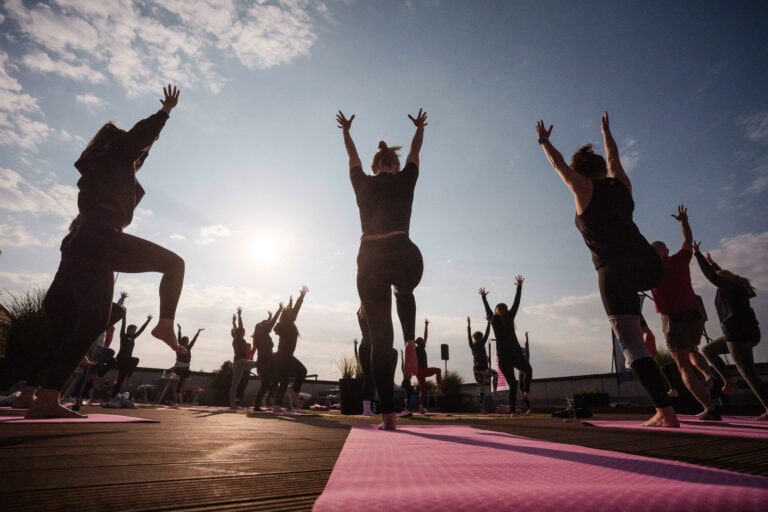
{"x": 345, "y": 125}
{"x": 516, "y": 304}
{"x": 708, "y": 267}
{"x": 426, "y": 330}
{"x": 488, "y": 311}
{"x": 420, "y": 121}
{"x": 469, "y": 332}
{"x": 194, "y": 340}
{"x": 580, "y": 186}
{"x": 682, "y": 216}
{"x": 144, "y": 326}
{"x": 273, "y": 320}
{"x": 122, "y": 323}
{"x": 121, "y": 300}
{"x": 299, "y": 301}
{"x": 487, "y": 331}
{"x": 234, "y": 325}
{"x": 615, "y": 169}
{"x": 139, "y": 139}
{"x": 178, "y": 336}
{"x": 240, "y": 317}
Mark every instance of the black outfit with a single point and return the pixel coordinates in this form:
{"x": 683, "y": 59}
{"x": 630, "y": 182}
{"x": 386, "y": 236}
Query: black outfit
{"x": 286, "y": 364}
{"x": 480, "y": 361}
{"x": 124, "y": 359}
{"x": 183, "y": 362}
{"x": 737, "y": 318}
{"x": 626, "y": 264}
{"x": 364, "y": 357}
{"x": 385, "y": 202}
{"x": 79, "y": 300}
{"x": 508, "y": 349}
{"x": 265, "y": 360}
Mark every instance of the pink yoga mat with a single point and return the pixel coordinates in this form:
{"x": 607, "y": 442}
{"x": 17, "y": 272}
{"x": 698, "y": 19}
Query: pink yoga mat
{"x": 711, "y": 428}
{"x": 92, "y": 418}
{"x": 460, "y": 468}
{"x": 742, "y": 421}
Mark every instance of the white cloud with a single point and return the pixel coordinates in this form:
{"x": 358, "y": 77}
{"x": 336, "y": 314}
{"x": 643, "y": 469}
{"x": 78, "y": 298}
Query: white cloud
{"x": 16, "y": 283}
{"x": 16, "y": 127}
{"x": 756, "y": 126}
{"x": 630, "y": 155}
{"x": 176, "y": 236}
{"x": 91, "y": 101}
{"x": 141, "y": 45}
{"x": 208, "y": 234}
{"x": 42, "y": 62}
{"x": 17, "y": 235}
{"x": 20, "y": 196}
{"x": 746, "y": 255}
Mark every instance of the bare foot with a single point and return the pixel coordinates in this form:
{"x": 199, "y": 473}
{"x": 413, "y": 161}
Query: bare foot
{"x": 47, "y": 406}
{"x": 663, "y": 418}
{"x": 164, "y": 332}
{"x": 729, "y": 388}
{"x": 25, "y": 399}
{"x": 390, "y": 421}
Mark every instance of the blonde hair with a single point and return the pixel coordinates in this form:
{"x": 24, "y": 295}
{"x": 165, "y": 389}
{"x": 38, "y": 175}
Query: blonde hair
{"x": 386, "y": 156}
{"x": 741, "y": 282}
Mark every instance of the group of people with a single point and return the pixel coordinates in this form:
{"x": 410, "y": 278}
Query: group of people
{"x": 275, "y": 370}
{"x": 79, "y": 300}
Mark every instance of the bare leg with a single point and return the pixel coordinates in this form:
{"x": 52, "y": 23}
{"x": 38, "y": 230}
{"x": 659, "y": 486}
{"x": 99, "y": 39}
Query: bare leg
{"x": 690, "y": 379}
{"x": 664, "y": 417}
{"x": 390, "y": 421}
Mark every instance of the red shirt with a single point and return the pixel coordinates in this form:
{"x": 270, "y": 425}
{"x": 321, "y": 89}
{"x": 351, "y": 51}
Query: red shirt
{"x": 674, "y": 293}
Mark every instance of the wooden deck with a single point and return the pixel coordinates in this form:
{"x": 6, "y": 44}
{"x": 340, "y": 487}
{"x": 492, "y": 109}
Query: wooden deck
{"x": 198, "y": 460}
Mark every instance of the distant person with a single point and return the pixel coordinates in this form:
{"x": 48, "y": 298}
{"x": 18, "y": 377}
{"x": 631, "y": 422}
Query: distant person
{"x": 625, "y": 262}
{"x": 242, "y": 362}
{"x": 425, "y": 371}
{"x": 183, "y": 362}
{"x": 265, "y": 359}
{"x": 523, "y": 377}
{"x": 387, "y": 257}
{"x": 508, "y": 348}
{"x": 286, "y": 365}
{"x": 480, "y": 367}
{"x": 79, "y": 299}
{"x": 681, "y": 318}
{"x": 126, "y": 363}
{"x": 741, "y": 331}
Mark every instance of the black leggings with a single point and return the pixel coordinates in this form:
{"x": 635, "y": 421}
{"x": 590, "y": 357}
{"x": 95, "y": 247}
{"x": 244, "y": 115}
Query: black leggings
{"x": 369, "y": 386}
{"x": 383, "y": 264}
{"x": 507, "y": 365}
{"x": 125, "y": 368}
{"x": 79, "y": 300}
{"x": 267, "y": 379}
{"x": 287, "y": 367}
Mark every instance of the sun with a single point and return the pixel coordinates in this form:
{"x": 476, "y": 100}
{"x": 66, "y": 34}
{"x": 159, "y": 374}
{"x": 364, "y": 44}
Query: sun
{"x": 264, "y": 249}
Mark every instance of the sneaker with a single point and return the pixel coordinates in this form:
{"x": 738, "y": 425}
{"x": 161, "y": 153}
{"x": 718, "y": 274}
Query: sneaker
{"x": 115, "y": 403}
{"x": 525, "y": 412}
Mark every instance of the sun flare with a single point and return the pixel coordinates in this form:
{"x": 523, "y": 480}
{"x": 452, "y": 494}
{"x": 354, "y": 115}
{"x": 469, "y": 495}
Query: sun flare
{"x": 264, "y": 250}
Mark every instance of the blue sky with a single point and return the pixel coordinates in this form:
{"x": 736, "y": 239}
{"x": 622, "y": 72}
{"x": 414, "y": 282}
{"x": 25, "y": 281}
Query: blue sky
{"x": 249, "y": 180}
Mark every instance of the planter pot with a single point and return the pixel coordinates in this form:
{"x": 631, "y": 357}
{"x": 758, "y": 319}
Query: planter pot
{"x": 351, "y": 396}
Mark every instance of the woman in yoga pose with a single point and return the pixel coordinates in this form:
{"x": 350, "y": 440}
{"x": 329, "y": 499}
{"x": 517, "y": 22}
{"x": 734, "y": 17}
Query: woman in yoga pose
{"x": 79, "y": 299}
{"x": 183, "y": 362}
{"x": 242, "y": 361}
{"x": 741, "y": 331}
{"x": 387, "y": 257}
{"x": 508, "y": 349}
{"x": 625, "y": 262}
{"x": 124, "y": 359}
{"x": 286, "y": 364}
{"x": 424, "y": 370}
{"x": 265, "y": 360}
{"x": 480, "y": 366}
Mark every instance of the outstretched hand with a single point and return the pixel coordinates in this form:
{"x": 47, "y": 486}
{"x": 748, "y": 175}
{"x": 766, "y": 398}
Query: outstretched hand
{"x": 426, "y": 321}
{"x": 420, "y": 121}
{"x": 542, "y": 133}
{"x": 344, "y": 123}
{"x": 149, "y": 317}
{"x": 483, "y": 292}
{"x": 171, "y": 98}
{"x": 519, "y": 280}
{"x": 709, "y": 258}
{"x": 682, "y": 213}
{"x": 201, "y": 329}
{"x": 123, "y": 295}
{"x": 696, "y": 246}
{"x": 469, "y": 322}
{"x": 304, "y": 290}
{"x": 239, "y": 311}
{"x": 604, "y": 123}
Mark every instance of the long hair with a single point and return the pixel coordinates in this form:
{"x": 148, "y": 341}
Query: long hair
{"x": 585, "y": 162}
{"x": 103, "y": 139}
{"x": 738, "y": 281}
{"x": 386, "y": 156}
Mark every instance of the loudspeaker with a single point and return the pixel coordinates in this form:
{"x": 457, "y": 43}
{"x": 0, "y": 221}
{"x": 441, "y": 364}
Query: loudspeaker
{"x": 444, "y": 352}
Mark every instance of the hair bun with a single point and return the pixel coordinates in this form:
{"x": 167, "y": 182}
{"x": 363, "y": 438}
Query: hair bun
{"x": 382, "y": 146}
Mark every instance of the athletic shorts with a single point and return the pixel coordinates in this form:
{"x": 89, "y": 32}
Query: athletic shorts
{"x": 682, "y": 330}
